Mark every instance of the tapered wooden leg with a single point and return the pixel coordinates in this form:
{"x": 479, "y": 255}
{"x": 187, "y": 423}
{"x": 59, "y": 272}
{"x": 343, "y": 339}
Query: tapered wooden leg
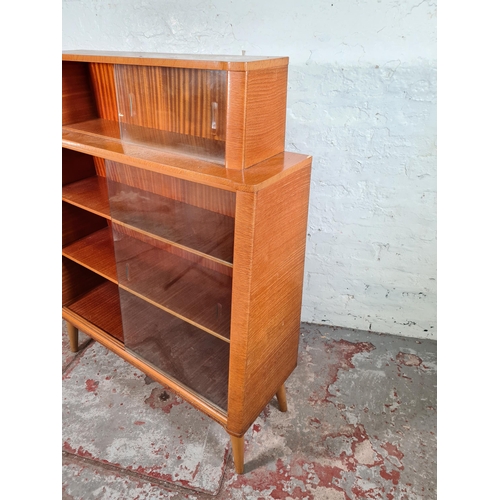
{"x": 73, "y": 336}
{"x": 281, "y": 395}
{"x": 238, "y": 444}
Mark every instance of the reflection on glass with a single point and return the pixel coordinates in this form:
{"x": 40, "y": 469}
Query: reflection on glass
{"x": 186, "y": 285}
{"x": 179, "y": 110}
{"x": 192, "y": 357}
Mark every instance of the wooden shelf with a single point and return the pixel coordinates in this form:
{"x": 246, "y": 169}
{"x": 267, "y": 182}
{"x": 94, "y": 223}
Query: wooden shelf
{"x": 101, "y": 307}
{"x": 208, "y": 150}
{"x": 95, "y": 252}
{"x": 91, "y": 194}
{"x": 184, "y": 288}
{"x": 194, "y": 229}
{"x": 180, "y": 350}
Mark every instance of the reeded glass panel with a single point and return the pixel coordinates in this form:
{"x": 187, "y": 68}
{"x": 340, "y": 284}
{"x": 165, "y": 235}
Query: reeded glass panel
{"x": 180, "y": 110}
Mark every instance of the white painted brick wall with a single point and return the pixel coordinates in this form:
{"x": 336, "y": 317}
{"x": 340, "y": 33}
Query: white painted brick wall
{"x": 362, "y": 101}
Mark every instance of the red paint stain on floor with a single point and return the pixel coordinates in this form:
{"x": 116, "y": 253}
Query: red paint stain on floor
{"x": 408, "y": 359}
{"x": 311, "y": 474}
{"x": 91, "y": 385}
{"x": 81, "y": 452}
{"x": 393, "y": 451}
{"x": 393, "y": 475}
{"x": 340, "y": 354}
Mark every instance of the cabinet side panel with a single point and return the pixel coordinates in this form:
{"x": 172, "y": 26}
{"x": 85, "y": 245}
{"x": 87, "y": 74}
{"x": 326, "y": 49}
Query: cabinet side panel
{"x": 265, "y": 114}
{"x": 103, "y": 83}
{"x": 77, "y": 97}
{"x": 240, "y": 308}
{"x": 268, "y": 276}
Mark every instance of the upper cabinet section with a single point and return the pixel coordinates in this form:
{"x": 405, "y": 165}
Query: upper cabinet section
{"x": 228, "y": 111}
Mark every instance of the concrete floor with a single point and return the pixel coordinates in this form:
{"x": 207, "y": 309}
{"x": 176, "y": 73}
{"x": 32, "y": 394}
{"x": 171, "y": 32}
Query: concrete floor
{"x": 361, "y": 424}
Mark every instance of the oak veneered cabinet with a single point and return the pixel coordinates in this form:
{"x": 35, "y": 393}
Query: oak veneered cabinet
{"x": 184, "y": 224}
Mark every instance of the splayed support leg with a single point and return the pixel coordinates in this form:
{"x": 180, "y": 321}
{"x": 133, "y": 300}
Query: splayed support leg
{"x": 281, "y": 395}
{"x": 73, "y": 336}
{"x": 238, "y": 444}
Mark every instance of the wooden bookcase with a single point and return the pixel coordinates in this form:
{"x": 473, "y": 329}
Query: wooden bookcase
{"x": 184, "y": 224}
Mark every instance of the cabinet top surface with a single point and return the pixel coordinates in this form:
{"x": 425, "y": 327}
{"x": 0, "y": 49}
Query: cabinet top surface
{"x": 250, "y": 179}
{"x": 196, "y": 61}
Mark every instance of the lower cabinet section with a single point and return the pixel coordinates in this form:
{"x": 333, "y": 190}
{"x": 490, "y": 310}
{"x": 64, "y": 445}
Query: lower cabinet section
{"x": 197, "y": 286}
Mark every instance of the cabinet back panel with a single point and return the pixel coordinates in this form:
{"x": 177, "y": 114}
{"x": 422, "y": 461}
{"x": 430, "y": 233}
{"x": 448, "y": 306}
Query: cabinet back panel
{"x": 78, "y": 223}
{"x": 103, "y": 83}
{"x": 100, "y": 166}
{"x": 76, "y": 166}
{"x": 187, "y": 289}
{"x": 77, "y": 280}
{"x": 78, "y": 102}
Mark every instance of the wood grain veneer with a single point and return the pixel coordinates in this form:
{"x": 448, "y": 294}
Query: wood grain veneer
{"x": 199, "y": 195}
{"x": 267, "y": 293}
{"x": 78, "y": 103}
{"x": 76, "y": 281}
{"x": 236, "y": 121}
{"x": 76, "y": 166}
{"x": 177, "y": 100}
{"x": 265, "y": 115}
{"x": 188, "y": 255}
{"x": 102, "y": 77}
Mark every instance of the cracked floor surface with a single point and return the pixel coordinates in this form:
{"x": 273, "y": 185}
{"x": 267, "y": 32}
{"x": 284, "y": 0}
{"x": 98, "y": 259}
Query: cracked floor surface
{"x": 361, "y": 424}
